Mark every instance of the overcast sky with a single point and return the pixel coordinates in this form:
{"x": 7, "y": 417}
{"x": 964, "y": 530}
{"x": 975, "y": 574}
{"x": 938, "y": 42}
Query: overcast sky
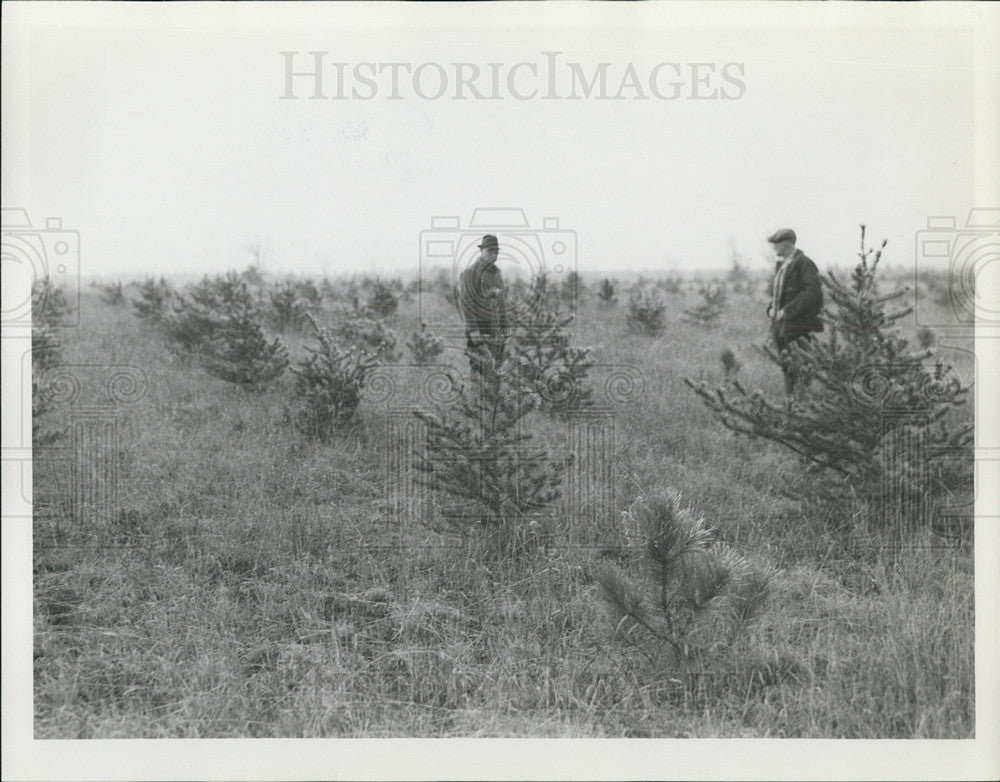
{"x": 162, "y": 137}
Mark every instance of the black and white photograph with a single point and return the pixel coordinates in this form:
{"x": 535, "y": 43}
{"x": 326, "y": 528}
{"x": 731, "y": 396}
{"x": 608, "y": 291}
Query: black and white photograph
{"x": 587, "y": 390}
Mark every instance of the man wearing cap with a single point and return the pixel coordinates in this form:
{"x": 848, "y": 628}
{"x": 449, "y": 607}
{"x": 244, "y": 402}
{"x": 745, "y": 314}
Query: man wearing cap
{"x": 796, "y": 301}
{"x": 481, "y": 297}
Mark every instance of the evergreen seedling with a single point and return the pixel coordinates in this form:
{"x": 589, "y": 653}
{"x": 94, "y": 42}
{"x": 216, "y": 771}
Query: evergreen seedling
{"x": 424, "y": 346}
{"x": 328, "y": 383}
{"x": 383, "y": 301}
{"x": 606, "y": 293}
{"x": 646, "y": 313}
{"x": 478, "y": 455}
{"x": 154, "y": 300}
{"x": 112, "y": 293}
{"x": 680, "y": 597}
{"x": 711, "y": 307}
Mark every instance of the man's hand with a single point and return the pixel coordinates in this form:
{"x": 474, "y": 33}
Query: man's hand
{"x": 780, "y": 317}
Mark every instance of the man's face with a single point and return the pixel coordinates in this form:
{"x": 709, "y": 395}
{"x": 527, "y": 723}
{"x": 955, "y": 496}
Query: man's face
{"x": 489, "y": 254}
{"x": 783, "y": 249}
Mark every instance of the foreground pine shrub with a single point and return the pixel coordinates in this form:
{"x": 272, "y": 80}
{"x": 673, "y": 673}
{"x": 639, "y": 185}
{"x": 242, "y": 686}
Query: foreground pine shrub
{"x": 679, "y": 598}
{"x": 879, "y": 421}
{"x": 328, "y": 383}
{"x": 646, "y": 313}
{"x": 477, "y": 455}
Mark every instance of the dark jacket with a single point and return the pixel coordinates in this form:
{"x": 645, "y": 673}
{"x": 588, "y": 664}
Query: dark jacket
{"x": 801, "y": 298}
{"x": 481, "y": 298}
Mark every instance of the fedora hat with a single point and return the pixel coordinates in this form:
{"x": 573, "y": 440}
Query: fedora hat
{"x": 489, "y": 241}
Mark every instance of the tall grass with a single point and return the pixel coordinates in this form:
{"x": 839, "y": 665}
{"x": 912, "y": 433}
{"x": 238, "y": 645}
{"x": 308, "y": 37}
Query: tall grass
{"x": 257, "y": 583}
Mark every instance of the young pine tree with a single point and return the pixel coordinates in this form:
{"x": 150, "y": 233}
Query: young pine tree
{"x": 328, "y": 383}
{"x": 242, "y": 354}
{"x": 606, "y": 293}
{"x": 646, "y": 312}
{"x": 383, "y": 300}
{"x": 877, "y": 415}
{"x": 154, "y": 300}
{"x": 425, "y": 346}
{"x": 712, "y": 305}
{"x": 112, "y": 293}
{"x": 288, "y": 307}
{"x": 478, "y": 454}
{"x": 679, "y": 597}
{"x": 219, "y": 322}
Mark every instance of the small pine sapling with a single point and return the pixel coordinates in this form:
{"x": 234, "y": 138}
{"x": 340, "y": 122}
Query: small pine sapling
{"x": 383, "y": 301}
{"x": 571, "y": 289}
{"x": 680, "y": 597}
{"x": 606, "y": 293}
{"x": 49, "y": 304}
{"x": 242, "y": 354}
{"x": 155, "y": 296}
{"x": 361, "y": 329}
{"x": 113, "y": 294}
{"x": 478, "y": 455}
{"x": 646, "y": 313}
{"x": 288, "y": 308}
{"x": 711, "y": 307}
{"x": 219, "y": 322}
{"x": 731, "y": 365}
{"x": 328, "y": 383}
{"x": 425, "y": 347}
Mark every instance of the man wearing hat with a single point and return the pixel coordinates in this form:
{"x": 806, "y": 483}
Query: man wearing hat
{"x": 481, "y": 298}
{"x": 796, "y": 300}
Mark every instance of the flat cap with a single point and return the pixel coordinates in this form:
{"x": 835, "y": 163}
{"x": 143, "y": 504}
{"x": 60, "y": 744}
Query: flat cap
{"x": 782, "y": 235}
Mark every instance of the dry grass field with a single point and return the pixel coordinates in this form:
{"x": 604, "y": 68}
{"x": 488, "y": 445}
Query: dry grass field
{"x": 252, "y": 582}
